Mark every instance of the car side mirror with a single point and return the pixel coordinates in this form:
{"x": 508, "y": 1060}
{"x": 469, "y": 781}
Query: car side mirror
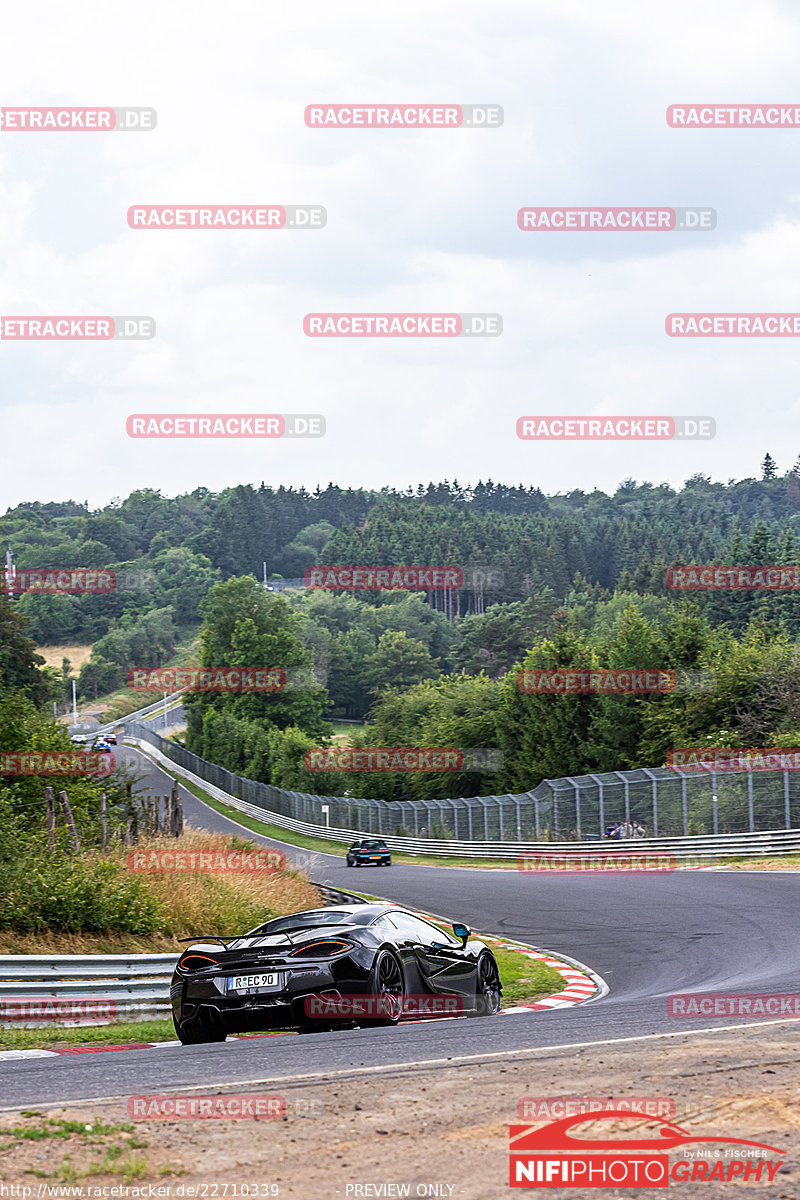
{"x": 462, "y": 932}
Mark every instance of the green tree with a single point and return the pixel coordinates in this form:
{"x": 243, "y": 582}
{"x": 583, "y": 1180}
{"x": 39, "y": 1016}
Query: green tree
{"x": 19, "y": 663}
{"x": 399, "y": 661}
{"x": 244, "y": 626}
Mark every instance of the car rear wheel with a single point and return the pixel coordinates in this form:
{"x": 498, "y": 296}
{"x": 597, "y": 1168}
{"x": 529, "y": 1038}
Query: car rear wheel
{"x": 388, "y": 988}
{"x": 487, "y": 989}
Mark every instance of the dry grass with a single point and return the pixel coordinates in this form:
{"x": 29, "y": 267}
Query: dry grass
{"x": 77, "y": 655}
{"x": 194, "y": 903}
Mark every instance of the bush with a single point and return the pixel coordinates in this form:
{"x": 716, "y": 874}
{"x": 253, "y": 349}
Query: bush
{"x": 75, "y": 894}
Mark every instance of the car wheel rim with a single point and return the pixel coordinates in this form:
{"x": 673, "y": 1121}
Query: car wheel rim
{"x": 488, "y": 988}
{"x": 390, "y": 985}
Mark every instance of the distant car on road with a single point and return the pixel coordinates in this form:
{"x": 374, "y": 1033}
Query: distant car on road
{"x": 369, "y": 852}
{"x": 102, "y": 744}
{"x": 111, "y": 738}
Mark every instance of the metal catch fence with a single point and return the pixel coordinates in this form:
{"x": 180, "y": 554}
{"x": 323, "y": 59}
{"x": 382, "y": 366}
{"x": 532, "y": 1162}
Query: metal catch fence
{"x": 665, "y": 802}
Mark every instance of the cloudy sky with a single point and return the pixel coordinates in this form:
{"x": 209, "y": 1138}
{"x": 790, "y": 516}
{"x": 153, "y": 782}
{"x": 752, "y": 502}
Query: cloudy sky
{"x": 418, "y": 221}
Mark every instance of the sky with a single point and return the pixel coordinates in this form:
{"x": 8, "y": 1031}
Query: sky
{"x": 418, "y": 220}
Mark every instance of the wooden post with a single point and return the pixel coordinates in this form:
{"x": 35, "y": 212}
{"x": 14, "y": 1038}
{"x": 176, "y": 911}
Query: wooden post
{"x": 104, "y": 819}
{"x": 51, "y": 819}
{"x": 177, "y": 827}
{"x": 73, "y": 833}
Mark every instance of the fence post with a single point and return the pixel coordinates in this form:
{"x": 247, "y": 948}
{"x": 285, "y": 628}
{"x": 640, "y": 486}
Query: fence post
{"x": 684, "y": 806}
{"x": 714, "y": 802}
{"x": 786, "y": 799}
{"x": 655, "y": 808}
{"x": 73, "y": 833}
{"x": 177, "y": 821}
{"x": 104, "y": 819}
{"x": 750, "y": 814}
{"x": 51, "y": 818}
{"x": 577, "y": 806}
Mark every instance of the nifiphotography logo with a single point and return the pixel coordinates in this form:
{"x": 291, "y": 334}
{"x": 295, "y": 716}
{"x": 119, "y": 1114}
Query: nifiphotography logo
{"x": 553, "y": 1156}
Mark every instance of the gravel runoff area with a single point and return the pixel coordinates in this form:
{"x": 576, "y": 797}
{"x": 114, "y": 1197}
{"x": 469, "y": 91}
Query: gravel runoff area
{"x": 442, "y": 1130}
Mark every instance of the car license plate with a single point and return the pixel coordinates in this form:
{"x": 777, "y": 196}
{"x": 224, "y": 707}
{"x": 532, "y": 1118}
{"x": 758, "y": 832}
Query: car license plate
{"x": 248, "y": 983}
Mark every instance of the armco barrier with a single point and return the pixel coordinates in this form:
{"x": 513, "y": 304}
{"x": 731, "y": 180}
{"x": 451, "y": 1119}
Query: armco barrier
{"x": 138, "y": 984}
{"x": 776, "y": 842}
{"x": 141, "y": 714}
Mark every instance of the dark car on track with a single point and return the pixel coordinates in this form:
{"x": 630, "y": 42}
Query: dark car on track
{"x": 369, "y": 852}
{"x": 357, "y": 964}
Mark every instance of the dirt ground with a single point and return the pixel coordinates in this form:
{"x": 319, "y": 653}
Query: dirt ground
{"x": 442, "y": 1131}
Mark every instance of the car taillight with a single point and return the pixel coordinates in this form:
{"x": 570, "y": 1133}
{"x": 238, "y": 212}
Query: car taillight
{"x": 322, "y": 949}
{"x": 196, "y": 962}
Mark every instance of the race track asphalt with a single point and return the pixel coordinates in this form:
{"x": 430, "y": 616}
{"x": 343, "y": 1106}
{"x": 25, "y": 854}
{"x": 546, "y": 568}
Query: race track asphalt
{"x": 648, "y": 936}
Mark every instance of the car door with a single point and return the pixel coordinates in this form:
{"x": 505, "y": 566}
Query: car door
{"x": 444, "y": 966}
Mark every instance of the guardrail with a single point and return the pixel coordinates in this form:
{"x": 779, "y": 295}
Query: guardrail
{"x": 723, "y": 845}
{"x": 137, "y": 985}
{"x": 41, "y": 991}
{"x": 141, "y": 714}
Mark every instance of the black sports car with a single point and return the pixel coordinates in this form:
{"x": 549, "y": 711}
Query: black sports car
{"x": 358, "y": 964}
{"x": 369, "y": 852}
